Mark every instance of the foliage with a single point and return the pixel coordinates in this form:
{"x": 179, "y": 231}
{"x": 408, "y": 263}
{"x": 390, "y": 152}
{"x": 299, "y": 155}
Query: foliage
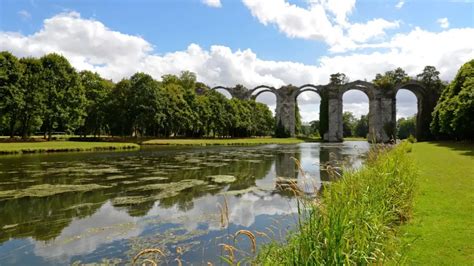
{"x": 361, "y": 128}
{"x": 411, "y": 139}
{"x": 356, "y": 219}
{"x": 48, "y": 94}
{"x": 12, "y": 99}
{"x": 389, "y": 79}
{"x": 406, "y": 127}
{"x": 453, "y": 115}
{"x": 64, "y": 95}
{"x": 338, "y": 79}
{"x": 348, "y": 124}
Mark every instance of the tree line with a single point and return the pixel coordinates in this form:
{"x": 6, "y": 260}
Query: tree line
{"x": 48, "y": 95}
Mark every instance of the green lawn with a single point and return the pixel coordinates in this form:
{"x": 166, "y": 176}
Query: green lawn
{"x": 204, "y": 142}
{"x": 442, "y": 229}
{"x": 61, "y": 146}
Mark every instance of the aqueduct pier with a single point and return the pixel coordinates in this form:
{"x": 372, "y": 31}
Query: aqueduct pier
{"x": 382, "y": 106}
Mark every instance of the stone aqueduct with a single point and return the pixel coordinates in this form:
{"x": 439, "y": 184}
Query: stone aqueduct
{"x": 382, "y": 106}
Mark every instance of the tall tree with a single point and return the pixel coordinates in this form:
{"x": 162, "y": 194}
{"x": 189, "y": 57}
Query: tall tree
{"x": 11, "y": 96}
{"x": 97, "y": 91}
{"x": 453, "y": 115}
{"x": 64, "y": 95}
{"x": 33, "y": 90}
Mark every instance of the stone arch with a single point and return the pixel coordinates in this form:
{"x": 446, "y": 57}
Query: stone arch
{"x": 426, "y": 101}
{"x": 255, "y": 92}
{"x": 360, "y": 85}
{"x": 319, "y": 90}
{"x": 229, "y": 90}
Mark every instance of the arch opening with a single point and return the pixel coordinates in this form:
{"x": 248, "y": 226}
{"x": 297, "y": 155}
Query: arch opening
{"x": 356, "y": 117}
{"x": 308, "y": 103}
{"x": 266, "y": 97}
{"x": 407, "y": 113}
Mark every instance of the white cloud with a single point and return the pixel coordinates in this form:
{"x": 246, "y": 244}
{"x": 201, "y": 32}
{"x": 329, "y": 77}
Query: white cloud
{"x": 443, "y": 23}
{"x": 89, "y": 44}
{"x": 212, "y": 3}
{"x": 400, "y": 4}
{"x": 24, "y": 15}
{"x": 322, "y": 20}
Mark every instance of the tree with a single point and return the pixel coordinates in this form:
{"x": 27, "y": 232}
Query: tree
{"x": 338, "y": 79}
{"x": 144, "y": 103}
{"x": 406, "y": 127}
{"x": 33, "y": 89}
{"x": 97, "y": 91}
{"x": 11, "y": 96}
{"x": 430, "y": 77}
{"x": 389, "y": 79}
{"x": 361, "y": 128}
{"x": 118, "y": 119}
{"x": 454, "y": 112}
{"x": 348, "y": 122}
{"x": 64, "y": 95}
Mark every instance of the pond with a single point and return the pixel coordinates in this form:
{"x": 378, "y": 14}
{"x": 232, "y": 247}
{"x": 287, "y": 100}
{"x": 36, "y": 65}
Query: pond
{"x": 67, "y": 208}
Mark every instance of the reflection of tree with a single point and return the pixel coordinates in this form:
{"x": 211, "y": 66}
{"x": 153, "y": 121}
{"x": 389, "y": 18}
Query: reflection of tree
{"x": 45, "y": 218}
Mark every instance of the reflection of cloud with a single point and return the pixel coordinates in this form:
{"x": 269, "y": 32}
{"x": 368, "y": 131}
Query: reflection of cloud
{"x": 83, "y": 236}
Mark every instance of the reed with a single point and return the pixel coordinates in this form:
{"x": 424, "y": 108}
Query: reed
{"x": 355, "y": 220}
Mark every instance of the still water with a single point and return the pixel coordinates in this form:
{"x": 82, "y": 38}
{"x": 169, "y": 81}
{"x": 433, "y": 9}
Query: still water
{"x": 58, "y": 209}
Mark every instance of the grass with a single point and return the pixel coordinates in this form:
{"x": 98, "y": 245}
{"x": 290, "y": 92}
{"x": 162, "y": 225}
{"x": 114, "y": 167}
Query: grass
{"x": 442, "y": 230}
{"x": 356, "y": 219}
{"x": 230, "y": 141}
{"x": 61, "y": 146}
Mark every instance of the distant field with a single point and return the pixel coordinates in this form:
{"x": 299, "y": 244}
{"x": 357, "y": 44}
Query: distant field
{"x": 205, "y": 142}
{"x": 61, "y": 146}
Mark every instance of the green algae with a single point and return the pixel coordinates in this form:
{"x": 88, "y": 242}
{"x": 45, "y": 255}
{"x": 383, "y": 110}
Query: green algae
{"x": 153, "y": 178}
{"x": 46, "y": 190}
{"x": 222, "y": 179}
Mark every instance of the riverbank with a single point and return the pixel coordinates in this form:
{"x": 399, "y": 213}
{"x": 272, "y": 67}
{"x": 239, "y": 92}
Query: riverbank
{"x": 62, "y": 146}
{"x": 355, "y": 220}
{"x": 229, "y": 142}
{"x": 442, "y": 229}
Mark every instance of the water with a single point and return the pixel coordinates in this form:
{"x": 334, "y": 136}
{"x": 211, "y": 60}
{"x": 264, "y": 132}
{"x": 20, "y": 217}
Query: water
{"x": 58, "y": 209}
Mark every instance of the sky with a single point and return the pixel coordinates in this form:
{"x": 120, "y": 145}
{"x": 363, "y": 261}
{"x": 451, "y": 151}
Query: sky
{"x": 249, "y": 42}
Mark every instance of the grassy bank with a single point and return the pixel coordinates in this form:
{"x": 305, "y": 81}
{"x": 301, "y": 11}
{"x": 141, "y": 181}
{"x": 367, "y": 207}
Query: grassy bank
{"x": 205, "y": 142}
{"x": 355, "y": 219}
{"x": 61, "y": 146}
{"x": 442, "y": 230}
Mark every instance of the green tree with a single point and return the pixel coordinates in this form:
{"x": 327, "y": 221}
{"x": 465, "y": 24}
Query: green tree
{"x": 64, "y": 95}
{"x": 453, "y": 115}
{"x": 97, "y": 91}
{"x": 144, "y": 103}
{"x": 348, "y": 123}
{"x": 389, "y": 79}
{"x": 338, "y": 79}
{"x": 33, "y": 90}
{"x": 118, "y": 118}
{"x": 406, "y": 127}
{"x": 11, "y": 96}
{"x": 361, "y": 128}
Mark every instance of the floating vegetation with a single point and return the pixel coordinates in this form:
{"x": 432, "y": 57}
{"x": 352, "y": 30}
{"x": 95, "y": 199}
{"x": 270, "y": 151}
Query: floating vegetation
{"x": 173, "y": 186}
{"x": 214, "y": 164}
{"x": 240, "y": 192}
{"x": 45, "y": 190}
{"x": 153, "y": 178}
{"x": 222, "y": 179}
{"x": 115, "y": 177}
{"x": 193, "y": 160}
{"x": 254, "y": 161}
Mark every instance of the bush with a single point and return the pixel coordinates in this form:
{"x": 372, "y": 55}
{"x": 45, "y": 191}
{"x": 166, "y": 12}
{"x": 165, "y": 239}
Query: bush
{"x": 411, "y": 139}
{"x": 355, "y": 221}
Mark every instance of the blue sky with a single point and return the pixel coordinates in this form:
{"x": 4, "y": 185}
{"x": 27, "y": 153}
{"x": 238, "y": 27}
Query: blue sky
{"x": 250, "y": 41}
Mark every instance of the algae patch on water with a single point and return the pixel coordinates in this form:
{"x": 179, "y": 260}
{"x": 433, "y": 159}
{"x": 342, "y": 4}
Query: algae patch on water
{"x": 45, "y": 190}
{"x": 222, "y": 179}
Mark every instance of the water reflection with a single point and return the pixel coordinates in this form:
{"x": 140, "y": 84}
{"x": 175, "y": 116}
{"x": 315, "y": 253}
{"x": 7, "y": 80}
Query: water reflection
{"x": 109, "y": 205}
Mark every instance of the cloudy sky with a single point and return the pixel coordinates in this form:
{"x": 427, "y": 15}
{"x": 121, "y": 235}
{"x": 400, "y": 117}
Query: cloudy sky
{"x": 250, "y": 42}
